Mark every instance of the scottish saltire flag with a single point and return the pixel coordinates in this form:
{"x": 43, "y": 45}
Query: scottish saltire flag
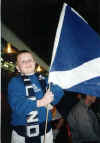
{"x": 75, "y": 64}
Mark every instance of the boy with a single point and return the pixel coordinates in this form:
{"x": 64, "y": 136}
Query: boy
{"x": 28, "y": 97}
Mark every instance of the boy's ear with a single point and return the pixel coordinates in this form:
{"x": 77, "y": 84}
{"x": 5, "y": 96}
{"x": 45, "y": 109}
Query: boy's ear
{"x": 17, "y": 68}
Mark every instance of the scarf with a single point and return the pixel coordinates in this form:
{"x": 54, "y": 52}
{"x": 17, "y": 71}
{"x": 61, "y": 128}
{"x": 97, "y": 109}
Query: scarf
{"x": 32, "y": 126}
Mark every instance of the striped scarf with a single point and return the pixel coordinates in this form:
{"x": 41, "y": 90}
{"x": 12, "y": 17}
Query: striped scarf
{"x": 32, "y": 126}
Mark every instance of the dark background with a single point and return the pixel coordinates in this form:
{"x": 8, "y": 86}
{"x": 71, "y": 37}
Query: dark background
{"x": 35, "y": 21}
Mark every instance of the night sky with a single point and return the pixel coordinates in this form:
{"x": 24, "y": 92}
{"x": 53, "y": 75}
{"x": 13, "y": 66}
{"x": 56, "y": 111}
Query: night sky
{"x": 35, "y": 22}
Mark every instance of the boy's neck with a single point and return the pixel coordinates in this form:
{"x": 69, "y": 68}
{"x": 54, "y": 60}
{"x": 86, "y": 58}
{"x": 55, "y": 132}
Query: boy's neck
{"x": 28, "y": 74}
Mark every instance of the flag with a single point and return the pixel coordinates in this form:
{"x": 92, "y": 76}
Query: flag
{"x": 75, "y": 64}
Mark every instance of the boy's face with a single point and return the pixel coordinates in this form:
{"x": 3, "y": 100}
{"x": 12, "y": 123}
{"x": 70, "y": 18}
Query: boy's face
{"x": 25, "y": 63}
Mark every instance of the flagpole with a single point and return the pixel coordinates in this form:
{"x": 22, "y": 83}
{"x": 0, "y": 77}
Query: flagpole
{"x": 46, "y": 124}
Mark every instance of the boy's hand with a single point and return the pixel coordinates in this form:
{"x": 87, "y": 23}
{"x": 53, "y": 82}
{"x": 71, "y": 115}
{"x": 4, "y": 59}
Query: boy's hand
{"x": 47, "y": 98}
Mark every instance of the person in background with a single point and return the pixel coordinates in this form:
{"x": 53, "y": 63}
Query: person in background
{"x": 96, "y": 109}
{"x": 57, "y": 123}
{"x": 83, "y": 122}
{"x": 28, "y": 96}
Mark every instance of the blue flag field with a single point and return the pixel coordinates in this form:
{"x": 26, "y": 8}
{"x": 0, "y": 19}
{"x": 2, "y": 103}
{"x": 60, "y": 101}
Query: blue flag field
{"x": 75, "y": 64}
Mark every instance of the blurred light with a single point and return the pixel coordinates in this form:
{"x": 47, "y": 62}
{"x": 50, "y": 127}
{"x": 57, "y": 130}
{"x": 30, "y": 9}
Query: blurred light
{"x": 39, "y": 69}
{"x": 1, "y": 59}
{"x": 5, "y": 65}
{"x": 9, "y": 50}
{"x": 11, "y": 62}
